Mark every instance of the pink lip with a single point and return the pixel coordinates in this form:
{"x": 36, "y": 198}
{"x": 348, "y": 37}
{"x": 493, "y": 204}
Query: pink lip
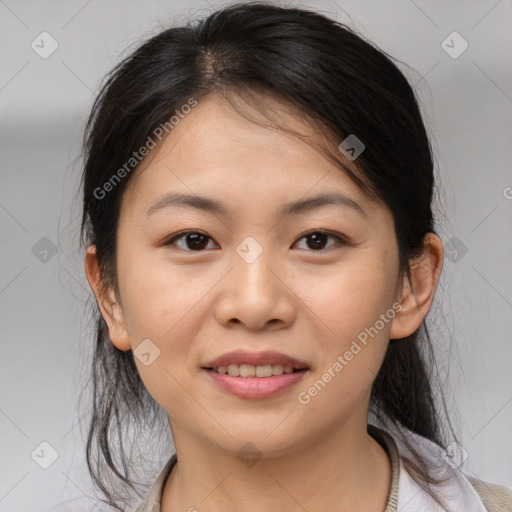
{"x": 255, "y": 387}
{"x": 256, "y": 359}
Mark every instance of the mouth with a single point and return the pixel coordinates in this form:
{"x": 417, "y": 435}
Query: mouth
{"x": 255, "y": 375}
{"x": 261, "y": 371}
{"x": 268, "y": 363}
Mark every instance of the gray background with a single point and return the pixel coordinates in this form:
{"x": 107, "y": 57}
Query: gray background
{"x": 467, "y": 104}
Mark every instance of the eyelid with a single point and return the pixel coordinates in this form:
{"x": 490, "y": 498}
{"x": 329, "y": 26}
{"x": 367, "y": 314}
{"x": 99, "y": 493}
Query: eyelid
{"x": 341, "y": 237}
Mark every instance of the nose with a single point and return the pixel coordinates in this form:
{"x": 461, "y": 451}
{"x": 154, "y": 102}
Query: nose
{"x": 255, "y": 294}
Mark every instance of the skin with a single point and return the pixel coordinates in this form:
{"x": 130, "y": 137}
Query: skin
{"x": 307, "y": 302}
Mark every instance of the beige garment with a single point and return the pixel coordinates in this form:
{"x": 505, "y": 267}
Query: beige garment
{"x": 496, "y": 498}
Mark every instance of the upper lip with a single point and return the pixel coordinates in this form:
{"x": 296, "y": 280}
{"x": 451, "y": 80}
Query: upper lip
{"x": 268, "y": 357}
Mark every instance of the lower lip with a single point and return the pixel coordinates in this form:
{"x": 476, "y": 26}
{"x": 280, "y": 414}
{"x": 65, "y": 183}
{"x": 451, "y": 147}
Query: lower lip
{"x": 256, "y": 387}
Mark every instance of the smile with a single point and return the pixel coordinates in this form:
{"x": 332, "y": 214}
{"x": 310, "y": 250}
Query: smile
{"x": 249, "y": 370}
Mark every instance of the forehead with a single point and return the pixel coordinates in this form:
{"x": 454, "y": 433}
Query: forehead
{"x": 217, "y": 148}
{"x": 231, "y": 127}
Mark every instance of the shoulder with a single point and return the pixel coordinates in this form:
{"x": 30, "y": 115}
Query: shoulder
{"x": 496, "y": 498}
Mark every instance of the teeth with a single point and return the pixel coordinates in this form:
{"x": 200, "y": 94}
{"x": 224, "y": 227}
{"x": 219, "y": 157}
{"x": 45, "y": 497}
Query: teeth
{"x": 278, "y": 369}
{"x": 264, "y": 371}
{"x": 233, "y": 370}
{"x": 249, "y": 370}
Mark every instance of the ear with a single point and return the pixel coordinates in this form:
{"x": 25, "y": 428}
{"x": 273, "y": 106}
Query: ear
{"x": 416, "y": 297}
{"x": 109, "y": 306}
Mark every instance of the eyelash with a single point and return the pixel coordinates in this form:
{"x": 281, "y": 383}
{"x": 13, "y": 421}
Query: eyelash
{"x": 182, "y": 234}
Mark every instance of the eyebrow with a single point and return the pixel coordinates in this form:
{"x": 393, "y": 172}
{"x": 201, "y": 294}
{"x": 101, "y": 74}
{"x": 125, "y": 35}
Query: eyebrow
{"x": 293, "y": 208}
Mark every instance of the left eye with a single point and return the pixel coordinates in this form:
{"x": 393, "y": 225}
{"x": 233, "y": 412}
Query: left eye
{"x": 318, "y": 239}
{"x": 197, "y": 241}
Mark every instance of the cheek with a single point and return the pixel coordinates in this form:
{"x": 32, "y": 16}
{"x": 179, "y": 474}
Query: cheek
{"x": 168, "y": 305}
{"x": 342, "y": 380}
{"x": 353, "y": 320}
{"x": 165, "y": 308}
{"x": 157, "y": 295}
{"x": 350, "y": 298}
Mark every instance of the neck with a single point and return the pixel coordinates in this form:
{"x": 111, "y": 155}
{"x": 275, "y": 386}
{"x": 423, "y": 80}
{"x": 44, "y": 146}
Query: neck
{"x": 345, "y": 469}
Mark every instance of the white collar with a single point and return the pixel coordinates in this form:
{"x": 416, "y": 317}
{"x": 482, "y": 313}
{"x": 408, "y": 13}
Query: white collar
{"x": 456, "y": 492}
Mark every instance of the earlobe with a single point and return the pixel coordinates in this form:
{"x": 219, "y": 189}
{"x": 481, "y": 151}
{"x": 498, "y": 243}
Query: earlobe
{"x": 107, "y": 302}
{"x": 417, "y": 296}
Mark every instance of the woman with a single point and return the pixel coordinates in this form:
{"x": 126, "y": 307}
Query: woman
{"x": 261, "y": 245}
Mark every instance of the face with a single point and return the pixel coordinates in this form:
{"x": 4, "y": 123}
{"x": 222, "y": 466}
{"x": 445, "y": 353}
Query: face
{"x": 311, "y": 284}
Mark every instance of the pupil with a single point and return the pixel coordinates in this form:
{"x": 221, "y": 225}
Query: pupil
{"x": 197, "y": 241}
{"x": 319, "y": 240}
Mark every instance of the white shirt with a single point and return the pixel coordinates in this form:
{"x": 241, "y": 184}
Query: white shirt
{"x": 457, "y": 492}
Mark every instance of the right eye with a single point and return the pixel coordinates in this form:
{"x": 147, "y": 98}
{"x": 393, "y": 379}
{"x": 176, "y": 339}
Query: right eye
{"x": 194, "y": 241}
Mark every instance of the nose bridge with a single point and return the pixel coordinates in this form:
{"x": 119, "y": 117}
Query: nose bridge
{"x": 252, "y": 262}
